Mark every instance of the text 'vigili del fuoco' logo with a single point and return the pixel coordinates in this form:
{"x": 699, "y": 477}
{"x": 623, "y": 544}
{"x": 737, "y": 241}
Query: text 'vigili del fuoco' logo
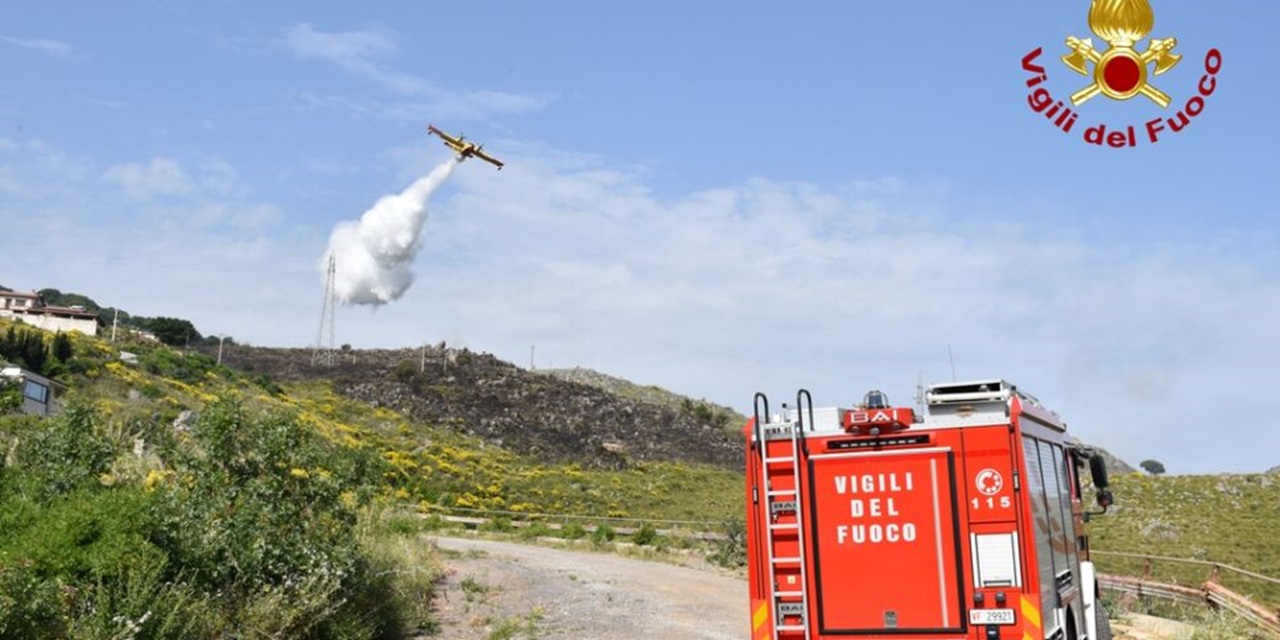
{"x": 1120, "y": 72}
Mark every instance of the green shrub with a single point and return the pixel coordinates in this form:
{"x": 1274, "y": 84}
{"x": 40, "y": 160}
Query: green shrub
{"x": 185, "y": 367}
{"x": 603, "y": 534}
{"x": 63, "y": 454}
{"x": 500, "y": 525}
{"x": 10, "y": 396}
{"x": 536, "y": 530}
{"x": 79, "y": 536}
{"x": 252, "y": 508}
{"x": 731, "y": 551}
{"x": 573, "y": 531}
{"x": 646, "y": 535}
{"x": 406, "y": 371}
{"x": 135, "y": 600}
{"x": 434, "y": 522}
{"x": 268, "y": 384}
{"x": 30, "y": 607}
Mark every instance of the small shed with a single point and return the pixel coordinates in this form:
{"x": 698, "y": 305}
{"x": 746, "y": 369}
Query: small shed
{"x": 37, "y": 391}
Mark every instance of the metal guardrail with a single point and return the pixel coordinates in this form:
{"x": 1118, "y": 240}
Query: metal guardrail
{"x": 489, "y": 513}
{"x": 472, "y": 522}
{"x": 688, "y": 529}
{"x": 1217, "y": 567}
{"x": 1210, "y": 593}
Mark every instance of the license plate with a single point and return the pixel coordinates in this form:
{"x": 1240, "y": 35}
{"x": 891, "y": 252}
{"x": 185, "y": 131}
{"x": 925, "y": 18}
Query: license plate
{"x": 991, "y": 616}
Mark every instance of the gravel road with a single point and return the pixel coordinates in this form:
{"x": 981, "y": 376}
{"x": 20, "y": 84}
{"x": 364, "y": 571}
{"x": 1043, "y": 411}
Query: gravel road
{"x": 505, "y": 590}
{"x": 513, "y": 591}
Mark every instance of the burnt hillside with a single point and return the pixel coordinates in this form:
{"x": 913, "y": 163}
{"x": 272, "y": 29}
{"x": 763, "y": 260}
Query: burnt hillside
{"x": 531, "y": 413}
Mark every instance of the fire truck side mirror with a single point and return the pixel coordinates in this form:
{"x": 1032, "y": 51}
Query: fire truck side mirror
{"x": 1098, "y": 469}
{"x": 1105, "y": 498}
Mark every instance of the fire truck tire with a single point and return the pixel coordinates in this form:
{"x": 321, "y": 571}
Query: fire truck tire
{"x": 1104, "y": 622}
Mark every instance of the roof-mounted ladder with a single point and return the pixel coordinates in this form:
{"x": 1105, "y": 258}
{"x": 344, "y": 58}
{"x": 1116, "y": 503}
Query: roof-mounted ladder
{"x": 780, "y": 445}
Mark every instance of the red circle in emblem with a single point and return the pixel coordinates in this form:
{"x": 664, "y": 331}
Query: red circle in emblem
{"x": 1122, "y": 74}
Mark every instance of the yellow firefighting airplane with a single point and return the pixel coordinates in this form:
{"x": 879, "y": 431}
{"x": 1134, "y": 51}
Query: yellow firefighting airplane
{"x": 465, "y": 149}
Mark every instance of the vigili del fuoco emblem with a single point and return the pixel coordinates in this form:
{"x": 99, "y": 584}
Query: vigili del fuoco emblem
{"x": 1121, "y": 70}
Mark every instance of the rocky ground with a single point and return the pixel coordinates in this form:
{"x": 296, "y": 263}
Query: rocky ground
{"x": 478, "y": 394}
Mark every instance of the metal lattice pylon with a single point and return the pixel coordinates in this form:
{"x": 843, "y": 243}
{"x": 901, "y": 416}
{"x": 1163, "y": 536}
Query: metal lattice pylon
{"x": 323, "y": 352}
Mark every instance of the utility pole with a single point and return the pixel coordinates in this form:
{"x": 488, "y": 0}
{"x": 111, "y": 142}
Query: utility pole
{"x": 220, "y": 339}
{"x": 531, "y": 357}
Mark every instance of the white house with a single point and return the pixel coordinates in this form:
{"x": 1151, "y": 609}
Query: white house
{"x": 13, "y": 301}
{"x": 31, "y": 309}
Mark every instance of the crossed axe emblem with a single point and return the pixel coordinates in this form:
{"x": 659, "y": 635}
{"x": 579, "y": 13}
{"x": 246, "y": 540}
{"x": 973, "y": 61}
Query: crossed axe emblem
{"x": 1120, "y": 72}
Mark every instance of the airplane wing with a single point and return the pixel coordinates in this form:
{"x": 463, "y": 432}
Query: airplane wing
{"x": 479, "y": 153}
{"x": 448, "y": 139}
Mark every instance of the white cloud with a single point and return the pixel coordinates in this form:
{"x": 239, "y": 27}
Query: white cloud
{"x": 159, "y": 177}
{"x": 343, "y": 47}
{"x": 362, "y": 52}
{"x": 33, "y": 170}
{"x": 53, "y": 48}
{"x": 483, "y": 104}
{"x": 355, "y": 51}
{"x": 166, "y": 177}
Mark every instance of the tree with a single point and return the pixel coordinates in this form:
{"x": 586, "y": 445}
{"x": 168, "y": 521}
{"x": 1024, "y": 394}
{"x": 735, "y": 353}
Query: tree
{"x": 62, "y": 350}
{"x": 1153, "y": 467}
{"x": 59, "y": 299}
{"x": 174, "y": 332}
{"x": 9, "y": 345}
{"x": 24, "y": 347}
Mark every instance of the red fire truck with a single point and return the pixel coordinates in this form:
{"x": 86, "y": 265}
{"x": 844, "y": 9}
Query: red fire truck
{"x": 962, "y": 523}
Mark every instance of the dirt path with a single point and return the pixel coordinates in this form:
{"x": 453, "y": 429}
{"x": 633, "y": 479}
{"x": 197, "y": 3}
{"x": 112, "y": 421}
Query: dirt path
{"x": 1135, "y": 626}
{"x": 499, "y": 590}
{"x": 506, "y": 591}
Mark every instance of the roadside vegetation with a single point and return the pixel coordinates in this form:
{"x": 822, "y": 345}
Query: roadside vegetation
{"x": 175, "y": 498}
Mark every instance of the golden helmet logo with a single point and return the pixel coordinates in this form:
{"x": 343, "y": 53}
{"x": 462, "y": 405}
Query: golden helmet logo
{"x": 1120, "y": 71}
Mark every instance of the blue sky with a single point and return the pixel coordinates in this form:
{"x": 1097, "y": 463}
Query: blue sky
{"x": 718, "y": 199}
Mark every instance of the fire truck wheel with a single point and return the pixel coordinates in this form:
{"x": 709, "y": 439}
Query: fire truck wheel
{"x": 1104, "y": 622}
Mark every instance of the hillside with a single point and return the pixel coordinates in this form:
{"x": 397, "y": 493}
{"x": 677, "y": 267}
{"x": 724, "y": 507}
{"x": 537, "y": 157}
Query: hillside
{"x": 1225, "y": 518}
{"x": 647, "y": 393}
{"x": 546, "y": 417}
{"x": 453, "y": 429}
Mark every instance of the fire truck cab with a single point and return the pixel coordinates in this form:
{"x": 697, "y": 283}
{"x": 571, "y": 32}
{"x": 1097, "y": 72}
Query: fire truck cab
{"x": 963, "y": 523}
